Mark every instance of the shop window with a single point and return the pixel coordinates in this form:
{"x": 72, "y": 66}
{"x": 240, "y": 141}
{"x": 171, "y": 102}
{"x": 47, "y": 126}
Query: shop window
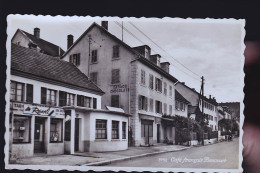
{"x": 29, "y": 93}
{"x": 94, "y": 56}
{"x": 94, "y": 103}
{"x": 115, "y": 129}
{"x": 94, "y": 77}
{"x": 17, "y": 91}
{"x": 115, "y": 101}
{"x": 83, "y": 101}
{"x": 124, "y": 130}
{"x": 151, "y": 105}
{"x": 158, "y": 84}
{"x": 115, "y": 51}
{"x": 151, "y": 81}
{"x": 56, "y": 130}
{"x": 115, "y": 76}
{"x": 142, "y": 103}
{"x": 101, "y": 129}
{"x": 75, "y": 59}
{"x": 21, "y": 129}
{"x": 143, "y": 77}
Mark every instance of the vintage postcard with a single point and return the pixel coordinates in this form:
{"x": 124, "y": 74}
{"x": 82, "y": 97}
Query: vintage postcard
{"x": 133, "y": 94}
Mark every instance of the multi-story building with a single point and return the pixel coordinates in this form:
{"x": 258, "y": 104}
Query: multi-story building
{"x": 34, "y": 41}
{"x": 55, "y": 108}
{"x": 210, "y": 104}
{"x": 132, "y": 80}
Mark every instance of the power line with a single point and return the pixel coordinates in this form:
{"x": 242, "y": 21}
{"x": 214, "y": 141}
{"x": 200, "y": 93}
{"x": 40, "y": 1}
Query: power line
{"x": 162, "y": 48}
{"x": 152, "y": 50}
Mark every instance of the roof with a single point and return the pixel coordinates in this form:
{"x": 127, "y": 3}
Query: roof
{"x": 179, "y": 97}
{"x": 47, "y": 47}
{"x": 30, "y": 61}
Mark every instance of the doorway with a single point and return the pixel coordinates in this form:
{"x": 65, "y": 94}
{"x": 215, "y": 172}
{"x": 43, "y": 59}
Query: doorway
{"x": 147, "y": 131}
{"x": 158, "y": 133}
{"x": 39, "y": 131}
{"x": 76, "y": 142}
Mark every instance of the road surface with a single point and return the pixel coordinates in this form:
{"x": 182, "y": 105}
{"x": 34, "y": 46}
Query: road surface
{"x": 221, "y": 155}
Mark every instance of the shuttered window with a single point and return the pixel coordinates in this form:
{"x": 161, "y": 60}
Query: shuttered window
{"x": 143, "y": 77}
{"x": 17, "y": 91}
{"x": 75, "y": 59}
{"x": 151, "y": 81}
{"x": 115, "y": 76}
{"x": 94, "y": 56}
{"x": 143, "y": 103}
{"x": 29, "y": 93}
{"x": 158, "y": 84}
{"x": 158, "y": 107}
{"x": 115, "y": 101}
{"x": 115, "y": 51}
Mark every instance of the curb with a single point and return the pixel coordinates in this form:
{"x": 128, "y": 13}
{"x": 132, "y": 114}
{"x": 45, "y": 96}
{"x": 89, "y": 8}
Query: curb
{"x": 106, "y": 162}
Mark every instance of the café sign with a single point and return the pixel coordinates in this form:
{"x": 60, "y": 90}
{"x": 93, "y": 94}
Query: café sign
{"x": 119, "y": 88}
{"x": 42, "y": 110}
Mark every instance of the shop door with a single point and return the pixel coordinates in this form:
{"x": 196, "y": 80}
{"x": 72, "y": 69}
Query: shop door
{"x": 158, "y": 133}
{"x": 39, "y": 130}
{"x": 147, "y": 127}
{"x": 76, "y": 143}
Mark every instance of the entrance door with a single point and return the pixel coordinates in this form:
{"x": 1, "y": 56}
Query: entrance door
{"x": 76, "y": 143}
{"x": 39, "y": 130}
{"x": 147, "y": 131}
{"x": 158, "y": 133}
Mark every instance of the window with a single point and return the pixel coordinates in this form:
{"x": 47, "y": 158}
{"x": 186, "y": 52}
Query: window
{"x": 56, "y": 130}
{"x": 115, "y": 76}
{"x": 48, "y": 96}
{"x": 165, "y": 88}
{"x": 70, "y": 99}
{"x": 143, "y": 77}
{"x": 94, "y": 103}
{"x": 123, "y": 130}
{"x": 151, "y": 105}
{"x": 158, "y": 84}
{"x": 101, "y": 129}
{"x": 94, "y": 77}
{"x": 115, "y": 129}
{"x": 170, "y": 92}
{"x": 182, "y": 106}
{"x": 176, "y": 104}
{"x": 62, "y": 98}
{"x": 151, "y": 81}
{"x": 115, "y": 101}
{"x": 83, "y": 101}
{"x": 158, "y": 107}
{"x": 115, "y": 51}
{"x": 29, "y": 93}
{"x": 21, "y": 129}
{"x": 17, "y": 91}
{"x": 165, "y": 108}
{"x": 170, "y": 109}
{"x": 94, "y": 56}
{"x": 142, "y": 103}
{"x": 75, "y": 59}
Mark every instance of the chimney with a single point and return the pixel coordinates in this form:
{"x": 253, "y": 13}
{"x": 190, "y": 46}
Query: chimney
{"x": 37, "y": 32}
{"x": 183, "y": 83}
{"x": 104, "y": 24}
{"x": 209, "y": 96}
{"x": 155, "y": 59}
{"x": 69, "y": 41}
{"x": 165, "y": 66}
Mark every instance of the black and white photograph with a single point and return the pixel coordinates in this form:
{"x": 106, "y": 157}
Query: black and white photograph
{"x": 133, "y": 94}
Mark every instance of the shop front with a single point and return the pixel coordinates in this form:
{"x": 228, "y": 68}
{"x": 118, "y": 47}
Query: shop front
{"x": 36, "y": 129}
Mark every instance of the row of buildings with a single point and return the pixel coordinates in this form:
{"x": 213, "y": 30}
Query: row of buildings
{"x": 98, "y": 95}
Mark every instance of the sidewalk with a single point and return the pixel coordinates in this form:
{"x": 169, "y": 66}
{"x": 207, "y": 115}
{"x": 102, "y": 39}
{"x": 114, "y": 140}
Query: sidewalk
{"x": 101, "y": 158}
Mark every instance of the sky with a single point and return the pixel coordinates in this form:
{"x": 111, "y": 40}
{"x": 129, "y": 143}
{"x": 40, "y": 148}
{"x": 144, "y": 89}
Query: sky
{"x": 194, "y": 48}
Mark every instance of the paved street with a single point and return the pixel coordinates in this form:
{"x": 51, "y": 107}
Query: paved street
{"x": 225, "y": 156}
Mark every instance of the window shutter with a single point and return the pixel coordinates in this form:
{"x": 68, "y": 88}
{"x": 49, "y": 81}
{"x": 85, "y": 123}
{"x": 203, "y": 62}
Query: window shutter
{"x": 43, "y": 95}
{"x": 29, "y": 93}
{"x": 94, "y": 103}
{"x": 140, "y": 102}
{"x": 146, "y": 103}
{"x": 71, "y": 58}
{"x": 78, "y": 100}
{"x": 78, "y": 59}
{"x": 160, "y": 107}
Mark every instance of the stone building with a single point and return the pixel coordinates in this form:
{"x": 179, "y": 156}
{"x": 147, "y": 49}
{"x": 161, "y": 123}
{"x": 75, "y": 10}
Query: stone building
{"x": 131, "y": 78}
{"x": 34, "y": 41}
{"x": 54, "y": 108}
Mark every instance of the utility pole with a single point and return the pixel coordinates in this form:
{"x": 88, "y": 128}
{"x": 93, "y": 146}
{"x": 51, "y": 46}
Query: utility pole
{"x": 202, "y": 104}
{"x": 89, "y": 43}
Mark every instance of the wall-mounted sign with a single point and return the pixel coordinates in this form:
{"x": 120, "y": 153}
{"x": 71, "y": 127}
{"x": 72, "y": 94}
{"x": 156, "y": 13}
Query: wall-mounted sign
{"x": 43, "y": 110}
{"x": 119, "y": 88}
{"x": 17, "y": 106}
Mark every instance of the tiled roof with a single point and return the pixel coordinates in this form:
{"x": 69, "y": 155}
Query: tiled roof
{"x": 30, "y": 61}
{"x": 179, "y": 97}
{"x": 47, "y": 47}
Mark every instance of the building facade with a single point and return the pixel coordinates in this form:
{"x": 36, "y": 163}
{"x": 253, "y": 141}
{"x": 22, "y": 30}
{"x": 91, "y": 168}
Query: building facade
{"x": 131, "y": 78}
{"x": 54, "y": 107}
